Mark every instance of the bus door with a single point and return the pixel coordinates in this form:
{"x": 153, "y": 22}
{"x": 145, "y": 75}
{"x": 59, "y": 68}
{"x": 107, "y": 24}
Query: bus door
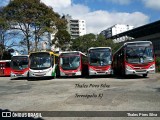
{"x": 5, "y": 68}
{"x": 2, "y": 66}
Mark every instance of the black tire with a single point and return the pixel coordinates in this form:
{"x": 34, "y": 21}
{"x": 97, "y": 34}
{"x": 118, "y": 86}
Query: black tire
{"x": 123, "y": 73}
{"x": 144, "y": 75}
{"x": 88, "y": 75}
{"x": 57, "y": 72}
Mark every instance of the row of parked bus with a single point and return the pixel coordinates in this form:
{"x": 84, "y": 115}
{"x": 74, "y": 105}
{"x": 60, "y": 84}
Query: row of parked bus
{"x": 131, "y": 58}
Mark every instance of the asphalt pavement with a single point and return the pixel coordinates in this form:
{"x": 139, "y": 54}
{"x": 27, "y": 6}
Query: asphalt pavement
{"x": 100, "y": 93}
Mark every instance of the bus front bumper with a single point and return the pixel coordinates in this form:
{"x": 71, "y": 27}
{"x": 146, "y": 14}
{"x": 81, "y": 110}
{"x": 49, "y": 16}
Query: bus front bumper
{"x": 13, "y": 75}
{"x": 40, "y": 73}
{"x": 139, "y": 72}
{"x": 71, "y": 74}
{"x": 93, "y": 72}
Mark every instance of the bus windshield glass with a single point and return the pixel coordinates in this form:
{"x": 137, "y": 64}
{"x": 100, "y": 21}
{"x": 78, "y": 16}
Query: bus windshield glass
{"x": 39, "y": 61}
{"x": 100, "y": 57}
{"x": 19, "y": 62}
{"x": 139, "y": 54}
{"x": 70, "y": 61}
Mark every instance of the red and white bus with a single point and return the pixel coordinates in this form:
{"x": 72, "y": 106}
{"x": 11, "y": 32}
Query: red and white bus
{"x": 100, "y": 60}
{"x": 72, "y": 63}
{"x": 5, "y": 68}
{"x": 134, "y": 58}
{"x": 19, "y": 66}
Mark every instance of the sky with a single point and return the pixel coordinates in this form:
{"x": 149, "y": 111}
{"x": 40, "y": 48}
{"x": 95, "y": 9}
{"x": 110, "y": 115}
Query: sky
{"x": 101, "y": 14}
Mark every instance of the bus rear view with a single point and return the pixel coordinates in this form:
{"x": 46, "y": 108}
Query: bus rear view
{"x": 100, "y": 59}
{"x": 19, "y": 66}
{"x": 5, "y": 68}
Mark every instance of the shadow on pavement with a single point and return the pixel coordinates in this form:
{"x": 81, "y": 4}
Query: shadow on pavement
{"x": 99, "y": 76}
{"x": 68, "y": 77}
{"x": 39, "y": 78}
{"x": 19, "y": 78}
{"x": 157, "y": 89}
{"x": 129, "y": 77}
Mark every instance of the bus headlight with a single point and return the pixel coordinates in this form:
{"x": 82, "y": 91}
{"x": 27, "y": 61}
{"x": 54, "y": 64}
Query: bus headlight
{"x": 91, "y": 70}
{"x": 25, "y": 73}
{"x": 49, "y": 70}
{"x": 79, "y": 69}
{"x": 128, "y": 67}
{"x": 12, "y": 73}
{"x": 152, "y": 66}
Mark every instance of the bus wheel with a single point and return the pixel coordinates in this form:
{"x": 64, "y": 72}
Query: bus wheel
{"x": 55, "y": 75}
{"x": 88, "y": 76}
{"x": 144, "y": 75}
{"x": 123, "y": 73}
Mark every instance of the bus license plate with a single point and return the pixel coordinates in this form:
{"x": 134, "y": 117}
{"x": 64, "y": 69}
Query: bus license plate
{"x": 70, "y": 74}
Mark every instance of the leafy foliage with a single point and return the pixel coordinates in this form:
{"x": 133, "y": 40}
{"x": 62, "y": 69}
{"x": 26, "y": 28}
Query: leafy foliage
{"x": 114, "y": 46}
{"x": 6, "y": 55}
{"x": 158, "y": 64}
{"x": 6, "y": 35}
{"x": 62, "y": 39}
{"x": 83, "y": 43}
{"x": 34, "y": 19}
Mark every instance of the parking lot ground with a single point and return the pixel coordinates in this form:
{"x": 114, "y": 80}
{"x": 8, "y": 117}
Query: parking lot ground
{"x": 133, "y": 93}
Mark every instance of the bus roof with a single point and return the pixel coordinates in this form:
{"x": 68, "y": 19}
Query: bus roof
{"x": 126, "y": 43}
{"x": 98, "y": 48}
{"x": 5, "y": 60}
{"x": 20, "y": 55}
{"x": 50, "y": 52}
{"x": 137, "y": 42}
{"x": 72, "y": 52}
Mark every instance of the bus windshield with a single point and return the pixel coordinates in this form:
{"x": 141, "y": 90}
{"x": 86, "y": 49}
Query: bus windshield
{"x": 69, "y": 62}
{"x": 19, "y": 62}
{"x": 100, "y": 57}
{"x": 39, "y": 61}
{"x": 139, "y": 54}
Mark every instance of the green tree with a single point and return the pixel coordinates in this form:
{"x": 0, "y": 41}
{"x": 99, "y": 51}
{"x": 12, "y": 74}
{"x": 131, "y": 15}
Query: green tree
{"x": 33, "y": 18}
{"x": 114, "y": 46}
{"x": 3, "y": 29}
{"x": 62, "y": 40}
{"x": 6, "y": 35}
{"x": 103, "y": 42}
{"x": 6, "y": 55}
{"x": 82, "y": 43}
{"x": 158, "y": 64}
